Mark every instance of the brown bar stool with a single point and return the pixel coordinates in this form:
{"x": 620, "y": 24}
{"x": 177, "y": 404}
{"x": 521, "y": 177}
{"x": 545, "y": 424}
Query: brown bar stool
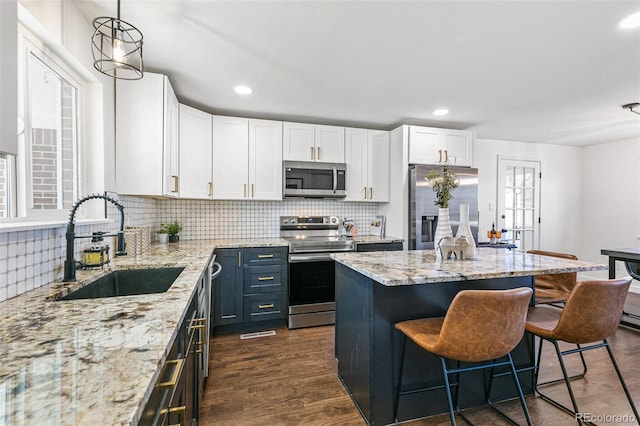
{"x": 554, "y": 288}
{"x": 480, "y": 327}
{"x": 591, "y": 314}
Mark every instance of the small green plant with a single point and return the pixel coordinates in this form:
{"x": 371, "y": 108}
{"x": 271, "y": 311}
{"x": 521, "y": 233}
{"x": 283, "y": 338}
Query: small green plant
{"x": 443, "y": 185}
{"x": 172, "y": 228}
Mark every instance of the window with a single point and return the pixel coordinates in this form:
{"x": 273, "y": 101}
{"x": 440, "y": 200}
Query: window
{"x": 42, "y": 181}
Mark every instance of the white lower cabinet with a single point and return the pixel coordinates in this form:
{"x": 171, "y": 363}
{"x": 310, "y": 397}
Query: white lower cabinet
{"x": 196, "y": 163}
{"x": 247, "y": 159}
{"x": 367, "y": 158}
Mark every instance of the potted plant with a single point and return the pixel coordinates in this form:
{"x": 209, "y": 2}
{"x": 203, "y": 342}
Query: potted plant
{"x": 163, "y": 237}
{"x": 171, "y": 230}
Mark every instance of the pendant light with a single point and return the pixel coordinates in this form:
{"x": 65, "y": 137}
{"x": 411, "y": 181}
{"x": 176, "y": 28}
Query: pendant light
{"x": 117, "y": 48}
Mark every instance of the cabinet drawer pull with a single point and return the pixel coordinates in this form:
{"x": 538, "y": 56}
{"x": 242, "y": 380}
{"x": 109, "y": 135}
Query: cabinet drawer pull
{"x": 252, "y": 192}
{"x": 318, "y": 153}
{"x": 371, "y": 193}
{"x": 244, "y": 190}
{"x": 239, "y": 259}
{"x": 175, "y": 183}
{"x": 265, "y": 256}
{"x": 210, "y": 189}
{"x": 174, "y": 377}
{"x": 180, "y": 411}
{"x": 439, "y": 156}
{"x": 311, "y": 157}
{"x": 446, "y": 156}
{"x": 364, "y": 192}
{"x": 267, "y": 306}
{"x": 199, "y": 323}
{"x": 265, "y": 278}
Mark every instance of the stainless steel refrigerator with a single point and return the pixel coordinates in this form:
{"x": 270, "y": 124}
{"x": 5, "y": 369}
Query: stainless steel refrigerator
{"x": 423, "y": 212}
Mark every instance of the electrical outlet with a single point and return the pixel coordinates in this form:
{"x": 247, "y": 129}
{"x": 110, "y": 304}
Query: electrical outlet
{"x": 491, "y": 206}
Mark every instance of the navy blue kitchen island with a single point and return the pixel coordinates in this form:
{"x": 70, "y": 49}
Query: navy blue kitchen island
{"x": 376, "y": 290}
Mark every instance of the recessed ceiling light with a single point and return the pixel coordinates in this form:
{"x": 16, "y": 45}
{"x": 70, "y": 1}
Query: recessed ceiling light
{"x": 631, "y": 21}
{"x": 441, "y": 111}
{"x": 243, "y": 90}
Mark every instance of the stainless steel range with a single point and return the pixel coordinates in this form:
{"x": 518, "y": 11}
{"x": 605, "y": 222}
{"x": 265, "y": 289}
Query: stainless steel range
{"x": 311, "y": 270}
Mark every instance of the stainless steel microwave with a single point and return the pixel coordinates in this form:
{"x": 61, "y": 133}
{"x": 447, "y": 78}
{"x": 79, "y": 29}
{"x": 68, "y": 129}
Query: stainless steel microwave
{"x": 306, "y": 179}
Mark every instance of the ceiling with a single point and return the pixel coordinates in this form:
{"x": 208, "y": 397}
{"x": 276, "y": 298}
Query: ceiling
{"x": 531, "y": 71}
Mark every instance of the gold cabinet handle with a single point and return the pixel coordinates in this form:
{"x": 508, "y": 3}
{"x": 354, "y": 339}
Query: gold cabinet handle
{"x": 180, "y": 411}
{"x": 174, "y": 377}
{"x": 199, "y": 324}
{"x": 270, "y": 305}
{"x": 252, "y": 192}
{"x": 318, "y": 153}
{"x": 439, "y": 156}
{"x": 311, "y": 157}
{"x": 446, "y": 156}
{"x": 364, "y": 192}
{"x": 210, "y": 189}
{"x": 371, "y": 193}
{"x": 265, "y": 256}
{"x": 265, "y": 278}
{"x": 175, "y": 183}
{"x": 239, "y": 259}
{"x": 244, "y": 190}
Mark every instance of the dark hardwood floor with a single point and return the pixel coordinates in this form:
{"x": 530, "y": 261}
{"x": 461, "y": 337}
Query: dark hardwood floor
{"x": 291, "y": 379}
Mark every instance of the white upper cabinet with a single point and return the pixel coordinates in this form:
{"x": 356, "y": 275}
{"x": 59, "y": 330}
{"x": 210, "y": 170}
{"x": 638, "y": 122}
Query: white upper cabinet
{"x": 309, "y": 142}
{"x": 265, "y": 160}
{"x": 298, "y": 142}
{"x": 147, "y": 139}
{"x": 367, "y": 158}
{"x": 196, "y": 163}
{"x": 230, "y": 157}
{"x": 329, "y": 144}
{"x": 430, "y": 145}
{"x": 247, "y": 159}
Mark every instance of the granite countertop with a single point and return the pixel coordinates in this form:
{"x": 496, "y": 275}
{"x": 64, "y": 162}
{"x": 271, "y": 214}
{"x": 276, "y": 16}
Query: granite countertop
{"x": 92, "y": 361}
{"x": 421, "y": 266}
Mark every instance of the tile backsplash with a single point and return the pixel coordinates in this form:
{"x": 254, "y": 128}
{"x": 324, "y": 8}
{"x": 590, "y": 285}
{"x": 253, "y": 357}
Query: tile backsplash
{"x": 30, "y": 259}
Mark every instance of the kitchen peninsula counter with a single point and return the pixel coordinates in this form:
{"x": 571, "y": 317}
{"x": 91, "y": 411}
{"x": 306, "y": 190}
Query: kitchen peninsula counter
{"x": 94, "y": 361}
{"x": 377, "y": 289}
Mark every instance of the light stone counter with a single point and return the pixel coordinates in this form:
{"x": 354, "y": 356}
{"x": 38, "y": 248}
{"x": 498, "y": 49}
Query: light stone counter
{"x": 92, "y": 361}
{"x": 421, "y": 266}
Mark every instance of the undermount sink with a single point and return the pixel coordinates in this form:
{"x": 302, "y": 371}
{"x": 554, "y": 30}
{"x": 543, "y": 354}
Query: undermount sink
{"x": 127, "y": 282}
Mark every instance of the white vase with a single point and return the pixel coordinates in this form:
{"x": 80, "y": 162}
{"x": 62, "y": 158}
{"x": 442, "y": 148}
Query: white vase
{"x": 464, "y": 229}
{"x": 443, "y": 228}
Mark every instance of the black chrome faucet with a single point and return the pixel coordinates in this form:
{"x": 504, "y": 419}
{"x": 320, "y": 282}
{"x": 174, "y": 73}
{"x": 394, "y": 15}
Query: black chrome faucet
{"x": 70, "y": 262}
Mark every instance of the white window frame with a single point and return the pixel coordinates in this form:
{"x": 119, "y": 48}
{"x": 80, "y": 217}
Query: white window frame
{"x": 29, "y": 45}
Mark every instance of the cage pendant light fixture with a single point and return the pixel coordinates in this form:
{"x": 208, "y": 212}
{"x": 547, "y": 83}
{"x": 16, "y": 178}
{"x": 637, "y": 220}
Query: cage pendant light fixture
{"x": 117, "y": 48}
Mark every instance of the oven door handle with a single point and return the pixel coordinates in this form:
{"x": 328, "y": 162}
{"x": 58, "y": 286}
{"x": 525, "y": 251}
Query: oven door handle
{"x": 309, "y": 257}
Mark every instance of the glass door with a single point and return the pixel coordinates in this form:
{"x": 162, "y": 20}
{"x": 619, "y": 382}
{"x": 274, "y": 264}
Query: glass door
{"x": 519, "y": 202}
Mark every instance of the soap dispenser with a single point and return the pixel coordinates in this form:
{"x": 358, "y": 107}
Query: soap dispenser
{"x": 97, "y": 252}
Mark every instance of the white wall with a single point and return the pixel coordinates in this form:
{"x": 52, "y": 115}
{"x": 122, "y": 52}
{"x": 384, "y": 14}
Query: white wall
{"x": 611, "y": 184}
{"x": 561, "y": 189}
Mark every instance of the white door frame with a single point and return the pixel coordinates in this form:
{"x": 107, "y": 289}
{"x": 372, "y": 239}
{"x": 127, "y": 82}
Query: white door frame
{"x": 516, "y": 234}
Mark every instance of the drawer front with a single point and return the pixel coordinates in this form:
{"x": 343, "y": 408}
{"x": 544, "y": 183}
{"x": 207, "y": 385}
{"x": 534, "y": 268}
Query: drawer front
{"x": 265, "y": 279}
{"x": 394, "y": 246}
{"x": 265, "y": 256}
{"x": 267, "y": 306}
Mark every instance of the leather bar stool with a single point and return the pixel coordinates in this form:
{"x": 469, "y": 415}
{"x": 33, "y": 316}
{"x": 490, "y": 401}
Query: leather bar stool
{"x": 591, "y": 314}
{"x": 480, "y": 327}
{"x": 554, "y": 288}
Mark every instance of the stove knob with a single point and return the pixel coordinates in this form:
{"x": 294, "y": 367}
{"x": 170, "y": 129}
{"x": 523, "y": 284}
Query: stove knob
{"x": 293, "y": 220}
{"x": 334, "y": 220}
{"x": 285, "y": 221}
